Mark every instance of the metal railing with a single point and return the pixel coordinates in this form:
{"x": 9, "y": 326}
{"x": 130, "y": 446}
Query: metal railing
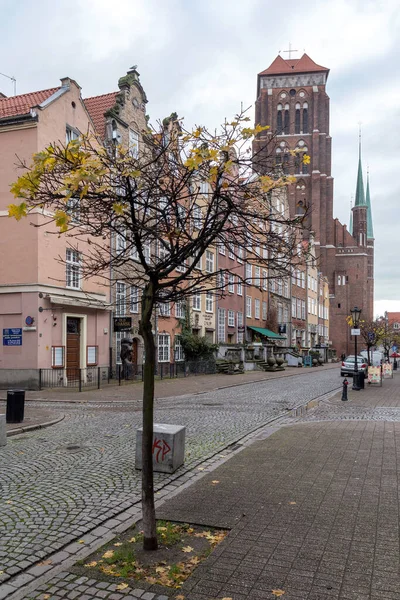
{"x": 96, "y": 377}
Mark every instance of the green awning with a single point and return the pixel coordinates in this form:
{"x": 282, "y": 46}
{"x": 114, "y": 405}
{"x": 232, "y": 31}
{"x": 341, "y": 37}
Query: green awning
{"x": 267, "y": 333}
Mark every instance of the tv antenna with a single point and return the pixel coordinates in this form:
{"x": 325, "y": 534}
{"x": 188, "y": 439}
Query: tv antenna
{"x": 13, "y": 80}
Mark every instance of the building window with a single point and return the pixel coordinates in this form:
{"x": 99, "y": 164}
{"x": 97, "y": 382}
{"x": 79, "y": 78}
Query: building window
{"x": 286, "y": 123}
{"x": 239, "y": 321}
{"x": 163, "y": 348}
{"x": 248, "y": 306}
{"x": 239, "y": 287}
{"x": 221, "y": 324}
{"x": 256, "y": 308}
{"x": 279, "y": 119}
{"x": 197, "y": 217}
{"x": 221, "y": 249}
{"x": 231, "y": 283}
{"x": 120, "y": 241}
{"x": 279, "y": 287}
{"x": 209, "y": 302}
{"x": 209, "y": 262}
{"x": 297, "y": 119}
{"x": 73, "y": 269}
{"x": 257, "y": 277}
{"x": 303, "y": 310}
{"x": 249, "y": 273}
{"x": 294, "y": 307}
{"x": 180, "y": 309}
{"x": 57, "y": 357}
{"x": 73, "y": 209}
{"x": 120, "y": 299}
{"x": 164, "y": 309}
{"x": 231, "y": 251}
{"x": 305, "y": 117}
{"x": 134, "y": 299}
{"x": 133, "y": 143}
{"x": 286, "y": 163}
{"x": 264, "y": 311}
{"x": 71, "y": 134}
{"x": 239, "y": 254}
{"x": 231, "y": 318}
{"x": 196, "y": 301}
{"x": 204, "y": 188}
{"x": 178, "y": 350}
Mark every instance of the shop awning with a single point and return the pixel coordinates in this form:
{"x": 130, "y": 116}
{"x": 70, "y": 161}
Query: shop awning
{"x": 267, "y": 333}
{"x": 86, "y": 302}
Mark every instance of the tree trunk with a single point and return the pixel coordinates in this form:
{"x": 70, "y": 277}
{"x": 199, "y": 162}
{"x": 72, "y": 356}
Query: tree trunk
{"x": 148, "y": 509}
{"x": 369, "y": 355}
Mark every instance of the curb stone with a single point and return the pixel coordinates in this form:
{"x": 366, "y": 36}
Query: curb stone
{"x": 28, "y": 428}
{"x": 29, "y": 580}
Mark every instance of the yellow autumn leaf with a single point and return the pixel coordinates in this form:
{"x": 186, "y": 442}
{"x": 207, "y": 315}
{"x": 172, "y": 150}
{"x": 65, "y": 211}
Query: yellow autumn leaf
{"x": 179, "y": 597}
{"x": 226, "y": 598}
{"x": 81, "y": 541}
{"x": 9, "y": 502}
{"x": 200, "y": 468}
{"x": 161, "y": 529}
{"x": 292, "y": 502}
{"x": 161, "y": 569}
{"x": 132, "y": 540}
{"x": 306, "y": 159}
{"x": 91, "y": 564}
{"x": 277, "y": 593}
{"x": 118, "y": 544}
{"x": 108, "y": 554}
{"x": 61, "y": 220}
{"x": 215, "y": 481}
{"x": 122, "y": 586}
{"x": 118, "y": 208}
{"x": 46, "y": 596}
{"x": 151, "y": 579}
{"x": 17, "y": 210}
{"x": 187, "y": 549}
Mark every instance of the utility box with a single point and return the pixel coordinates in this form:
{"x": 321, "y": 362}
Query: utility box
{"x": 168, "y": 447}
{"x": 3, "y": 434}
{"x": 15, "y": 406}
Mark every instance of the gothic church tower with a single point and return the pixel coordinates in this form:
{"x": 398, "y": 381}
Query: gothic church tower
{"x": 292, "y": 101}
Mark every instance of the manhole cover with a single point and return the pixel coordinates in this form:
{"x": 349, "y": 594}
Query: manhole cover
{"x": 72, "y": 447}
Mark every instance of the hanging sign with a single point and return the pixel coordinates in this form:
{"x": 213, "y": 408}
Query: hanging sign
{"x": 122, "y": 324}
{"x": 355, "y": 332}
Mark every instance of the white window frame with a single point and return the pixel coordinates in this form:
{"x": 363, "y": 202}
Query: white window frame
{"x": 179, "y": 355}
{"x": 294, "y": 308}
{"x": 231, "y": 318}
{"x": 248, "y": 307}
{"x": 196, "y": 301}
{"x": 134, "y": 299}
{"x": 73, "y": 269}
{"x": 257, "y": 307}
{"x": 209, "y": 261}
{"x": 120, "y": 299}
{"x": 221, "y": 324}
{"x": 133, "y": 143}
{"x": 239, "y": 322}
{"x": 239, "y": 288}
{"x": 257, "y": 276}
{"x": 209, "y": 302}
{"x": 231, "y": 283}
{"x": 264, "y": 311}
{"x": 197, "y": 217}
{"x": 164, "y": 347}
{"x": 180, "y": 309}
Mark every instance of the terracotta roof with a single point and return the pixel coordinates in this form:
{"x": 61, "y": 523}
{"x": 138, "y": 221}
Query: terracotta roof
{"x": 21, "y": 105}
{"x": 97, "y": 106}
{"x": 282, "y": 66}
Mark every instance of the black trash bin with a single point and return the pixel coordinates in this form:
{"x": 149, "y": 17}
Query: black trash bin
{"x": 361, "y": 380}
{"x": 15, "y": 406}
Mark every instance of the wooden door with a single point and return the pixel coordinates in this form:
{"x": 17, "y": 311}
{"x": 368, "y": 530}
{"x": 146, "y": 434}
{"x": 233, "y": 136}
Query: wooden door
{"x": 73, "y": 348}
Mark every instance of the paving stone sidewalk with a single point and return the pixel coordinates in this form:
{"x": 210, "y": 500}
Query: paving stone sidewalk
{"x": 169, "y": 387}
{"x": 313, "y": 511}
{"x": 34, "y": 417}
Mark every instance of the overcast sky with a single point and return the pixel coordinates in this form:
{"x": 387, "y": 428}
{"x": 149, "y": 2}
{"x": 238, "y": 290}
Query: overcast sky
{"x": 201, "y": 59}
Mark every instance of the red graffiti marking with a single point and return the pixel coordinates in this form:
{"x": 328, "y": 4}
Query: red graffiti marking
{"x": 160, "y": 448}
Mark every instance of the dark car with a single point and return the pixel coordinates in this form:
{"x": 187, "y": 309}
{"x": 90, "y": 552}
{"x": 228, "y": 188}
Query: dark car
{"x": 347, "y": 367}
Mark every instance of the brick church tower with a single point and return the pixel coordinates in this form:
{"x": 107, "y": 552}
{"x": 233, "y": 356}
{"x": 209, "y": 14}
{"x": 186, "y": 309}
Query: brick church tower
{"x": 292, "y": 101}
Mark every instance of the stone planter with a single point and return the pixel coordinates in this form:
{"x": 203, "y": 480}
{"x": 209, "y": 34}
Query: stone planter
{"x": 271, "y": 361}
{"x": 280, "y": 361}
{"x": 314, "y": 362}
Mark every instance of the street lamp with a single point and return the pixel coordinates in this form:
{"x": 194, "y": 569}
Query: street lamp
{"x": 355, "y": 315}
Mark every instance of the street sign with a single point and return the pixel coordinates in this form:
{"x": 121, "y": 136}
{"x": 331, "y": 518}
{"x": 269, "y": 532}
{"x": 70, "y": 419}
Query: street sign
{"x": 12, "y": 336}
{"x": 355, "y": 332}
{"x": 241, "y": 328}
{"x": 122, "y": 324}
{"x": 371, "y": 336}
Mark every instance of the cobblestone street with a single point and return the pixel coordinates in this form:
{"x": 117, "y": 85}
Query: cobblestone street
{"x": 60, "y": 482}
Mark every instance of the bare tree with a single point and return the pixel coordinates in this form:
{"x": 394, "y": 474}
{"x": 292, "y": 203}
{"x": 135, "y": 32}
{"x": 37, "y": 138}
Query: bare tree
{"x": 186, "y": 193}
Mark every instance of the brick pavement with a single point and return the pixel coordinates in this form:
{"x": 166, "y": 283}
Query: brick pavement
{"x": 313, "y": 511}
{"x": 170, "y": 387}
{"x": 34, "y": 417}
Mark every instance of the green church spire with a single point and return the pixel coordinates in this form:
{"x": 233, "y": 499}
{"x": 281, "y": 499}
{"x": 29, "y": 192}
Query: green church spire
{"x": 370, "y": 229}
{"x": 360, "y": 195}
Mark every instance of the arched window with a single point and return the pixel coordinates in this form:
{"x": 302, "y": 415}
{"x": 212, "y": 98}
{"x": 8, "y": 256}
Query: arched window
{"x": 278, "y": 157}
{"x": 304, "y": 167}
{"x": 300, "y": 208}
{"x": 297, "y": 118}
{"x": 299, "y": 165}
{"x": 286, "y": 163}
{"x": 279, "y": 119}
{"x": 286, "y": 120}
{"x": 305, "y": 117}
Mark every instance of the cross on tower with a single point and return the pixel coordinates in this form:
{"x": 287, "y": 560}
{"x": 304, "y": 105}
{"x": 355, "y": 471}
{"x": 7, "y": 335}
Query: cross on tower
{"x": 290, "y": 50}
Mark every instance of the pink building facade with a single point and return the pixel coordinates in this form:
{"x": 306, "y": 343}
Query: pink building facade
{"x": 50, "y": 318}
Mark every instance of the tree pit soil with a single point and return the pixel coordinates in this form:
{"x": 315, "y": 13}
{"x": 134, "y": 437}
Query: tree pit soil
{"x": 182, "y": 547}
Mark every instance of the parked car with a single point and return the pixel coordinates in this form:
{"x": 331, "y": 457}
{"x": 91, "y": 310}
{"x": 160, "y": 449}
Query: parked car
{"x": 347, "y": 367}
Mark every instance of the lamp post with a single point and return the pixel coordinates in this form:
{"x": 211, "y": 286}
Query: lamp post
{"x": 355, "y": 315}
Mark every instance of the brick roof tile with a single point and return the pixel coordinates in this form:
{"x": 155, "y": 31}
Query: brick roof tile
{"x": 97, "y": 106}
{"x": 282, "y": 66}
{"x": 22, "y": 104}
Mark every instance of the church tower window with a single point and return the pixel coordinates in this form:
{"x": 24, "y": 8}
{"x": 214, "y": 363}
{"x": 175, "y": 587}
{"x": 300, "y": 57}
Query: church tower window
{"x": 305, "y": 117}
{"x": 279, "y": 119}
{"x": 286, "y": 120}
{"x": 297, "y": 119}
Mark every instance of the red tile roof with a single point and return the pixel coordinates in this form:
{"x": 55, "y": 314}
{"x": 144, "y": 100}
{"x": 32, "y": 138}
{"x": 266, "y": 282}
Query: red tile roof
{"x": 282, "y": 66}
{"x": 21, "y": 105}
{"x": 97, "y": 106}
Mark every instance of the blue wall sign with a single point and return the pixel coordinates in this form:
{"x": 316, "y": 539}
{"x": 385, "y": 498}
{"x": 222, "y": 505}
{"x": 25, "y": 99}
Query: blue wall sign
{"x": 12, "y": 336}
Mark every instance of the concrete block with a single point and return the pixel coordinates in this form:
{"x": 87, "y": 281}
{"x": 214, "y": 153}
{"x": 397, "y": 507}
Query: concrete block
{"x": 168, "y": 447}
{"x": 3, "y": 436}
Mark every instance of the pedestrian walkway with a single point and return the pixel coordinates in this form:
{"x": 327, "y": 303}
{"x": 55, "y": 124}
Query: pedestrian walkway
{"x": 312, "y": 508}
{"x": 34, "y": 418}
{"x": 166, "y": 388}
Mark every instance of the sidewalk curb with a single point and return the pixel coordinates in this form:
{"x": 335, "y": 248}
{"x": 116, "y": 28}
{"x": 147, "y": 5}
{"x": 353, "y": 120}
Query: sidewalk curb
{"x": 28, "y": 428}
{"x": 23, "y": 583}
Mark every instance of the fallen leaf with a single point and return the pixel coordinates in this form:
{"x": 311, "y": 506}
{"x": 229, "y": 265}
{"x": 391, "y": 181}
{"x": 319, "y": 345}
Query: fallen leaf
{"x": 9, "y": 502}
{"x": 132, "y": 540}
{"x": 200, "y": 468}
{"x": 118, "y": 544}
{"x": 226, "y": 598}
{"x": 46, "y": 596}
{"x": 81, "y": 542}
{"x": 1, "y": 572}
{"x": 122, "y": 586}
{"x": 151, "y": 579}
{"x": 292, "y": 502}
{"x": 108, "y": 554}
{"x": 277, "y": 593}
{"x": 91, "y": 564}
{"x": 190, "y": 530}
{"x": 161, "y": 529}
{"x": 179, "y": 597}
{"x": 187, "y": 549}
{"x": 45, "y": 562}
{"x": 215, "y": 481}
{"x": 161, "y": 569}
{"x": 195, "y": 560}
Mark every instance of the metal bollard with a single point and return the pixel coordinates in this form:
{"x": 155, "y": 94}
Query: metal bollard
{"x": 395, "y": 365}
{"x": 344, "y": 391}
